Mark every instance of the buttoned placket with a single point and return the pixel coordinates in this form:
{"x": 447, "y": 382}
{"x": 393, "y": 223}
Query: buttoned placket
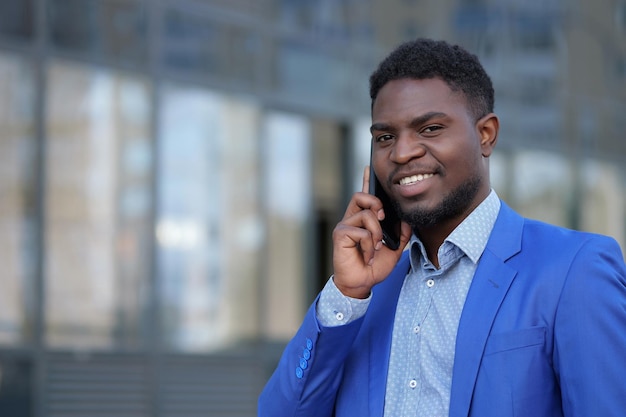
{"x": 426, "y": 290}
{"x": 427, "y": 285}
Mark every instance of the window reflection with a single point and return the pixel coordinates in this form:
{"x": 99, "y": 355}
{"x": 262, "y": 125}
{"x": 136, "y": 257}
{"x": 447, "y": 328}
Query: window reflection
{"x": 287, "y": 145}
{"x": 208, "y": 228}
{"x": 316, "y": 72}
{"x": 542, "y": 186}
{"x": 113, "y": 29}
{"x": 604, "y": 200}
{"x": 361, "y": 140}
{"x": 17, "y": 197}
{"x": 97, "y": 207}
{"x": 17, "y": 19}
{"x": 16, "y": 388}
{"x": 201, "y": 45}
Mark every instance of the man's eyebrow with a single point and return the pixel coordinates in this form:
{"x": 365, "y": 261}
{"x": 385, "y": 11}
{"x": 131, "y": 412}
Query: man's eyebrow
{"x": 380, "y": 127}
{"x": 426, "y": 117}
{"x": 417, "y": 121}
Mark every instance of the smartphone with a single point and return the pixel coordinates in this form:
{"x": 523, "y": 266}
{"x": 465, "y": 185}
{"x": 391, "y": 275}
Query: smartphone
{"x": 391, "y": 223}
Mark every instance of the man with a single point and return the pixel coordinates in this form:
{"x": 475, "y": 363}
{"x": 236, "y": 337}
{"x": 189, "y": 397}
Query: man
{"x": 486, "y": 313}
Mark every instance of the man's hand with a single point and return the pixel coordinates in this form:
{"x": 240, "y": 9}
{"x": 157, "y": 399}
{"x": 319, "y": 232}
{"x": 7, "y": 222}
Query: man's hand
{"x": 360, "y": 259}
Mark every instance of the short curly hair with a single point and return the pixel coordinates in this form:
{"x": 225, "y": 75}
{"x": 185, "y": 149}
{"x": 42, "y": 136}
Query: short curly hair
{"x": 426, "y": 58}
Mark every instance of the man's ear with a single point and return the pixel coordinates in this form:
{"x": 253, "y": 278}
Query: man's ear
{"x": 487, "y": 128}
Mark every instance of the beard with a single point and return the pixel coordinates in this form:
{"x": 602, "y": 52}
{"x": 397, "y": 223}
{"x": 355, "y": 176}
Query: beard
{"x": 452, "y": 205}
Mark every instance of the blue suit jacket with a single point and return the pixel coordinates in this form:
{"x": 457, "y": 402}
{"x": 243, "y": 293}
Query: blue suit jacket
{"x": 542, "y": 333}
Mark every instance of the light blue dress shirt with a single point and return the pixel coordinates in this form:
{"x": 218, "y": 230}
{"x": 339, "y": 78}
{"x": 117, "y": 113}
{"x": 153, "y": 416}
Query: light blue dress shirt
{"x": 427, "y": 316}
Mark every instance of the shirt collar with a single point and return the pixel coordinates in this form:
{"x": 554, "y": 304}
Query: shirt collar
{"x": 470, "y": 236}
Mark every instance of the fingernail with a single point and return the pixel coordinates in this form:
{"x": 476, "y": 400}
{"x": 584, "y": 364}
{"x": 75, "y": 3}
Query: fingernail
{"x": 379, "y": 245}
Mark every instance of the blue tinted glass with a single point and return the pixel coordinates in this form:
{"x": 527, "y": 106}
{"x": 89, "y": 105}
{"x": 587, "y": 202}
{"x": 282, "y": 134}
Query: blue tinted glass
{"x": 16, "y": 19}
{"x": 18, "y": 185}
{"x": 97, "y": 208}
{"x": 114, "y": 30}
{"x": 202, "y": 46}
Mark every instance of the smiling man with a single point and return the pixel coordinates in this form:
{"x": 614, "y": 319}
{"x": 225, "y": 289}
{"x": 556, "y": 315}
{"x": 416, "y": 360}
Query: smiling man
{"x": 480, "y": 312}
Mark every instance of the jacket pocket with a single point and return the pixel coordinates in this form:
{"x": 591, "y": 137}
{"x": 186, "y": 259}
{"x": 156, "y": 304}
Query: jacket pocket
{"x": 516, "y": 376}
{"x": 516, "y": 339}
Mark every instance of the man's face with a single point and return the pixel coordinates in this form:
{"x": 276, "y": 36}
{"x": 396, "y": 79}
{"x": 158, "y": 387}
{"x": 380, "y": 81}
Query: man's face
{"x": 428, "y": 153}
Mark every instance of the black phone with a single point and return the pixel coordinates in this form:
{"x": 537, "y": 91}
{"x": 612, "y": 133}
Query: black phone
{"x": 391, "y": 223}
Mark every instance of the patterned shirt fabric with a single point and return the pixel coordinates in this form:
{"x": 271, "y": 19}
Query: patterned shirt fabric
{"x": 335, "y": 309}
{"x": 427, "y": 316}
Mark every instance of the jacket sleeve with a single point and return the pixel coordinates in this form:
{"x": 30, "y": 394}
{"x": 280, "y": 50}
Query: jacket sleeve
{"x": 590, "y": 332}
{"x": 309, "y": 373}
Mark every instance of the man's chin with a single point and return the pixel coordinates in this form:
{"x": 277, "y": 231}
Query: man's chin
{"x": 420, "y": 216}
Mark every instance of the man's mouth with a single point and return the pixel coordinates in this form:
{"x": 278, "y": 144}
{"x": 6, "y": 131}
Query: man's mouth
{"x": 414, "y": 179}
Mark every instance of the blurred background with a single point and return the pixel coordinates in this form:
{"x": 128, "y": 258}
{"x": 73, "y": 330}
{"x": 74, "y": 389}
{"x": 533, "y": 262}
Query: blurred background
{"x": 171, "y": 172}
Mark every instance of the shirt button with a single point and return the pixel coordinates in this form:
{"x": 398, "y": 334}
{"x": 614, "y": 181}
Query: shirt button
{"x": 416, "y": 329}
{"x": 430, "y": 283}
{"x": 339, "y": 316}
{"x": 412, "y": 384}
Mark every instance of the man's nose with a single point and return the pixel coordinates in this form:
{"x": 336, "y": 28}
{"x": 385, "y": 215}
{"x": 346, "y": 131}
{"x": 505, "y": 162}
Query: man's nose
{"x": 407, "y": 147}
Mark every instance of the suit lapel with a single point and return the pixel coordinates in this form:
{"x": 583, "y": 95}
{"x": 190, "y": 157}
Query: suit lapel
{"x": 487, "y": 291}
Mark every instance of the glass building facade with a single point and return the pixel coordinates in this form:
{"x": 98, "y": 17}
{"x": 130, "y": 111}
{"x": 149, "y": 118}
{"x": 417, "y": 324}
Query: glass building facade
{"x": 171, "y": 172}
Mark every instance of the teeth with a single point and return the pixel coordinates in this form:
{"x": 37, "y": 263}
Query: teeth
{"x": 414, "y": 178}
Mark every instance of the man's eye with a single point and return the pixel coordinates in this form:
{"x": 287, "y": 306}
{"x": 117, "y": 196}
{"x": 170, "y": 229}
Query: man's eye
{"x": 431, "y": 129}
{"x": 383, "y": 138}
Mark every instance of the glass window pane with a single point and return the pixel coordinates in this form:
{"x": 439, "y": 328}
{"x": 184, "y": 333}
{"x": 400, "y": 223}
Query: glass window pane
{"x": 361, "y": 144}
{"x": 201, "y": 45}
{"x": 542, "y": 186}
{"x": 115, "y": 30}
{"x": 17, "y": 19}
{"x": 17, "y": 198}
{"x": 604, "y": 200}
{"x": 97, "y": 207}
{"x": 319, "y": 73}
{"x": 16, "y": 388}
{"x": 500, "y": 173}
{"x": 288, "y": 192}
{"x": 209, "y": 231}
